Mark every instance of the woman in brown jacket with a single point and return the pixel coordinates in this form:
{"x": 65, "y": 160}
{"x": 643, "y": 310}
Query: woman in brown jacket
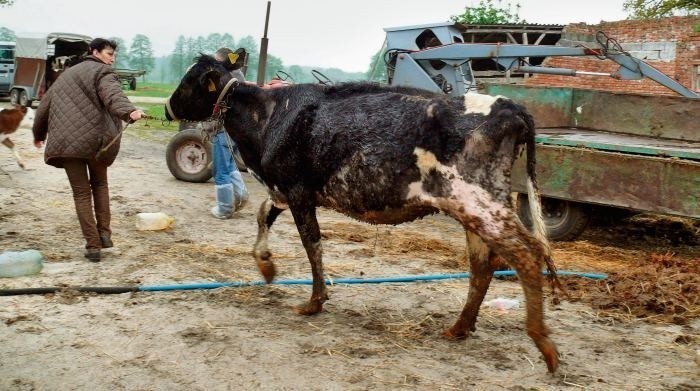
{"x": 82, "y": 113}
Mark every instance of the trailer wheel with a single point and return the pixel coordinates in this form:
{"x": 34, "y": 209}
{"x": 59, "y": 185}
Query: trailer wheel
{"x": 24, "y": 99}
{"x": 189, "y": 157}
{"x": 564, "y": 220}
{"x": 14, "y": 96}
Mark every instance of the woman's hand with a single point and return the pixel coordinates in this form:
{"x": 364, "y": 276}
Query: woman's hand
{"x": 136, "y": 115}
{"x": 38, "y": 144}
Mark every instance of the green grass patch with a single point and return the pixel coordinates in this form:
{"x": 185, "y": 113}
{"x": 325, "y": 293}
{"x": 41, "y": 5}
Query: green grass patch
{"x": 156, "y": 110}
{"x": 152, "y": 90}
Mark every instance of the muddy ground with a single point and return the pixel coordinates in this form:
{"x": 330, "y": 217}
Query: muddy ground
{"x": 637, "y": 330}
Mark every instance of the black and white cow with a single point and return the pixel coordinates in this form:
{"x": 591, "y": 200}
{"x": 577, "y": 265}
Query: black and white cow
{"x": 384, "y": 155}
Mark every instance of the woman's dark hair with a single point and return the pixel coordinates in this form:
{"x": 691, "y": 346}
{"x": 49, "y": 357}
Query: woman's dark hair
{"x": 100, "y": 44}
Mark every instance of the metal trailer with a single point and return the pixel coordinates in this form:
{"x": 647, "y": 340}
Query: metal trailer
{"x": 7, "y": 66}
{"x": 39, "y": 57}
{"x": 637, "y": 152}
{"x": 127, "y": 77}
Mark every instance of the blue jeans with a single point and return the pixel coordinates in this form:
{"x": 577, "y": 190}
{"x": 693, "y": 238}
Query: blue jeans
{"x": 224, "y": 167}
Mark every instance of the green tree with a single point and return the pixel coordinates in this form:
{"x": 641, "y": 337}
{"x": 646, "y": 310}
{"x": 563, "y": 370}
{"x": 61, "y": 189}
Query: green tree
{"x": 4, "y": 3}
{"x": 296, "y": 72}
{"x": 227, "y": 42}
{"x": 178, "y": 62}
{"x": 141, "y": 53}
{"x": 274, "y": 64}
{"x": 6, "y": 34}
{"x": 191, "y": 50}
{"x": 377, "y": 68}
{"x": 122, "y": 54}
{"x": 200, "y": 46}
{"x": 215, "y": 41}
{"x": 251, "y": 46}
{"x": 489, "y": 13}
{"x": 645, "y": 9}
{"x": 212, "y": 42}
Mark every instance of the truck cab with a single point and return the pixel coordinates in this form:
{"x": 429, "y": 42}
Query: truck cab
{"x": 7, "y": 66}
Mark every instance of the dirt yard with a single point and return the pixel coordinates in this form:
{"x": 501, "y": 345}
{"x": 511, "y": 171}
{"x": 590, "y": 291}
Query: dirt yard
{"x": 638, "y": 330}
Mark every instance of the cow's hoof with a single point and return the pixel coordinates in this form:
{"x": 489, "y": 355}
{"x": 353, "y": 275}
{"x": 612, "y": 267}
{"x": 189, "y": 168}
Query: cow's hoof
{"x": 267, "y": 269}
{"x": 311, "y": 308}
{"x": 549, "y": 353}
{"x": 453, "y": 334}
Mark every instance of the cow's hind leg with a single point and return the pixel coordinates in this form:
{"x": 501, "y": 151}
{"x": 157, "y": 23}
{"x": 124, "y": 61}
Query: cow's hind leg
{"x": 263, "y": 257}
{"x": 526, "y": 255}
{"x": 307, "y": 224}
{"x": 9, "y": 144}
{"x": 482, "y": 263}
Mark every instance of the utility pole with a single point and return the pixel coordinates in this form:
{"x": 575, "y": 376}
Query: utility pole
{"x": 262, "y": 61}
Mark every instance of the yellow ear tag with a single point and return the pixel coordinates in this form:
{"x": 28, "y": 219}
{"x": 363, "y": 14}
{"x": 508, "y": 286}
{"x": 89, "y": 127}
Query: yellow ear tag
{"x": 212, "y": 86}
{"x": 233, "y": 57}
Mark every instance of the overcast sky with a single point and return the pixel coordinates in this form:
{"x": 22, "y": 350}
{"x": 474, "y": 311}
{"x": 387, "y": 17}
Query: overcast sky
{"x": 331, "y": 33}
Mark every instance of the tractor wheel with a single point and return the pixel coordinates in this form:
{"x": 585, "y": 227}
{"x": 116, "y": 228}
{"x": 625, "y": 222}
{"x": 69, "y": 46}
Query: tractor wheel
{"x": 189, "y": 157}
{"x": 564, "y": 220}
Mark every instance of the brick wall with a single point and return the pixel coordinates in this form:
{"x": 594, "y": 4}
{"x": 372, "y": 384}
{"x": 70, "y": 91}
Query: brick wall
{"x": 668, "y": 44}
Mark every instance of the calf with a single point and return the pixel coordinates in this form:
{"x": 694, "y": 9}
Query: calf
{"x": 10, "y": 121}
{"x": 383, "y": 155}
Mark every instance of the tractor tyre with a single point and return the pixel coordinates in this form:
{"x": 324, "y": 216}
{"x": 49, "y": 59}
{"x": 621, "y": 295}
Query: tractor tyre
{"x": 189, "y": 156}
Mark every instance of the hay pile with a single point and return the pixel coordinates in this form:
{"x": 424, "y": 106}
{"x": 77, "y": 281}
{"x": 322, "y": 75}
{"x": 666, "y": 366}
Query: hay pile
{"x": 663, "y": 289}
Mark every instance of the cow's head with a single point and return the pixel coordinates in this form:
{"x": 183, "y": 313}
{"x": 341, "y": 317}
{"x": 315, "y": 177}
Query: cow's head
{"x": 196, "y": 95}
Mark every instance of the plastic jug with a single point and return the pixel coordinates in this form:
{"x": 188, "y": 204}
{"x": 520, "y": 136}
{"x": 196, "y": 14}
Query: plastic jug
{"x": 153, "y": 221}
{"x": 20, "y": 263}
{"x": 502, "y": 304}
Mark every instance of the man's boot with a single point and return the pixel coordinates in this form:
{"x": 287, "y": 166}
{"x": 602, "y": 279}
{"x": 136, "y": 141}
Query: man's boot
{"x": 224, "y": 202}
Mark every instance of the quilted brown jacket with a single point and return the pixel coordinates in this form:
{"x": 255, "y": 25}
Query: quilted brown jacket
{"x": 82, "y": 113}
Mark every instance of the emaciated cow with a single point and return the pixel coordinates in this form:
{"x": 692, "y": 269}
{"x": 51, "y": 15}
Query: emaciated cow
{"x": 10, "y": 121}
{"x": 383, "y": 155}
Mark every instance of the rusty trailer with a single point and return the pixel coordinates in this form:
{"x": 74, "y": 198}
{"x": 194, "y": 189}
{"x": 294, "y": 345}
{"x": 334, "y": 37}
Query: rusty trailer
{"x": 637, "y": 152}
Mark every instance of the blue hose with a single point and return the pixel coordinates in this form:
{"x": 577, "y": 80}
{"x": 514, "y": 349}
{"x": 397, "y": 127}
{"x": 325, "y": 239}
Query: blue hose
{"x": 214, "y": 285}
{"x": 376, "y": 280}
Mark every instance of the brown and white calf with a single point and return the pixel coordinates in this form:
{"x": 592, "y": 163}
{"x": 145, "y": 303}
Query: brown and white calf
{"x": 384, "y": 155}
{"x": 10, "y": 121}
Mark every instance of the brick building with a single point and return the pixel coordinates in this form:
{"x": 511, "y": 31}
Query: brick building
{"x": 669, "y": 44}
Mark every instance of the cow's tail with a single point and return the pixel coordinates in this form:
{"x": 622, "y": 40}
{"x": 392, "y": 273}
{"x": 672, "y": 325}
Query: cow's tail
{"x": 535, "y": 204}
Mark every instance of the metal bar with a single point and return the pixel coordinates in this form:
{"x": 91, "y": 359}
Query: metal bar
{"x": 632, "y": 69}
{"x": 463, "y": 51}
{"x": 262, "y": 61}
{"x": 548, "y": 71}
{"x": 540, "y": 38}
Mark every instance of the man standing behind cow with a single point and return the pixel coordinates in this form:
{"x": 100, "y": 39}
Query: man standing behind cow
{"x": 82, "y": 113}
{"x": 231, "y": 192}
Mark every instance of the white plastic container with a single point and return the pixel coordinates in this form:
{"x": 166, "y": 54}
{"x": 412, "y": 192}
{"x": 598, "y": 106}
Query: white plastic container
{"x": 503, "y": 304}
{"x": 20, "y": 263}
{"x": 153, "y": 221}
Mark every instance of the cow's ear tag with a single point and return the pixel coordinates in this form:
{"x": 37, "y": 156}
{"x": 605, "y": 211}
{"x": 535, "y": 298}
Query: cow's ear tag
{"x": 212, "y": 86}
{"x": 233, "y": 57}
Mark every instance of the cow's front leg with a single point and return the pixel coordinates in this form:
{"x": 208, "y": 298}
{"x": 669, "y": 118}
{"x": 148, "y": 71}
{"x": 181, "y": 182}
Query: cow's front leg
{"x": 263, "y": 257}
{"x": 305, "y": 219}
{"x": 482, "y": 263}
{"x": 9, "y": 144}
